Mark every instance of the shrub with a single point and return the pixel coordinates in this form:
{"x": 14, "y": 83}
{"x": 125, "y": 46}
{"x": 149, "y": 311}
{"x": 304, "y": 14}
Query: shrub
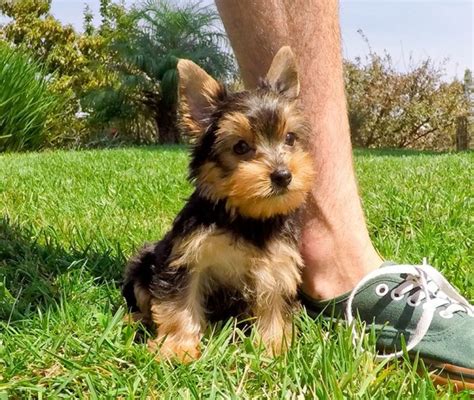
{"x": 64, "y": 55}
{"x": 414, "y": 109}
{"x": 27, "y": 107}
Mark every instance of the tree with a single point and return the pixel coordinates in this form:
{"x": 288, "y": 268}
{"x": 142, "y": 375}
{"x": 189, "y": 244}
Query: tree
{"x": 145, "y": 59}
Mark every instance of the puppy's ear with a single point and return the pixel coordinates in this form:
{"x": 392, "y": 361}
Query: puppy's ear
{"x": 198, "y": 93}
{"x": 283, "y": 73}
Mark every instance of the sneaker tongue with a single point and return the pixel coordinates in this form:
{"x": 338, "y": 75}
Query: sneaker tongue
{"x": 388, "y": 264}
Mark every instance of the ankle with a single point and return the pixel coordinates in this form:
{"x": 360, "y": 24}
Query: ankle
{"x": 334, "y": 264}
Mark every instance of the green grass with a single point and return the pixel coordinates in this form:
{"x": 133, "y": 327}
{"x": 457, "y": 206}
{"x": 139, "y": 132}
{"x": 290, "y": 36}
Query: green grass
{"x": 70, "y": 220}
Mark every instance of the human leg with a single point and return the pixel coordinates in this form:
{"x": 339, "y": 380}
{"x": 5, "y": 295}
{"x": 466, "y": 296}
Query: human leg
{"x": 408, "y": 301}
{"x": 336, "y": 245}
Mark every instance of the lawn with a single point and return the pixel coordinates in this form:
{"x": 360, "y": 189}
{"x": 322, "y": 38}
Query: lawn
{"x": 69, "y": 221}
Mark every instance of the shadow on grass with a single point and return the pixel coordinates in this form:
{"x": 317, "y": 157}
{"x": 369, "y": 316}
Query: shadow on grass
{"x": 28, "y": 269}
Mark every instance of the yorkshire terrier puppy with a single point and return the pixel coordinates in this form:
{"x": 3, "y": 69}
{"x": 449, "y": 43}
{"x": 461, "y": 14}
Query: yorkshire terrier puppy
{"x": 233, "y": 249}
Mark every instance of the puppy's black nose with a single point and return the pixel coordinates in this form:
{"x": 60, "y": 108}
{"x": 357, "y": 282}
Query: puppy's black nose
{"x": 281, "y": 177}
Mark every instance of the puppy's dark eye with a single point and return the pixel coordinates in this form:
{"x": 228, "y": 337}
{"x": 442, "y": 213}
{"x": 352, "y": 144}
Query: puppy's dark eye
{"x": 241, "y": 147}
{"x": 290, "y": 139}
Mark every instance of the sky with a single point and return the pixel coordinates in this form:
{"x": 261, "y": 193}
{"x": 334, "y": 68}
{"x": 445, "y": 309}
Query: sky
{"x": 422, "y": 28}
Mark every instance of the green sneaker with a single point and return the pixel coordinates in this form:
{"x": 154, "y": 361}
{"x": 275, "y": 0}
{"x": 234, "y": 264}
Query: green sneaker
{"x": 418, "y": 303}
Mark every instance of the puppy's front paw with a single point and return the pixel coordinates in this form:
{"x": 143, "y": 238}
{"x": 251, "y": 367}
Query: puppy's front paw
{"x": 182, "y": 350}
{"x": 276, "y": 340}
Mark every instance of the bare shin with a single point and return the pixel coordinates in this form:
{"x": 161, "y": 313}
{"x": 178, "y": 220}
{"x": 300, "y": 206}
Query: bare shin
{"x": 336, "y": 244}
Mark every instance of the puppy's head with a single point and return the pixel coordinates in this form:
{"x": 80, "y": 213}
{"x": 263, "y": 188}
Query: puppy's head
{"x": 249, "y": 148}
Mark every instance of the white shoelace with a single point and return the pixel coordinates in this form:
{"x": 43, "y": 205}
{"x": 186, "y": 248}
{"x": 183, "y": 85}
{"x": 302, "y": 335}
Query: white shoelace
{"x": 434, "y": 291}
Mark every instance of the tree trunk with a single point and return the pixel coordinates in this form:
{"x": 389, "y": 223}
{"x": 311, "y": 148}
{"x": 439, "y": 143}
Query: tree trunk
{"x": 462, "y": 134}
{"x": 166, "y": 122}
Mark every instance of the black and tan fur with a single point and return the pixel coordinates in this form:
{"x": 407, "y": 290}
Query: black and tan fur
{"x": 233, "y": 249}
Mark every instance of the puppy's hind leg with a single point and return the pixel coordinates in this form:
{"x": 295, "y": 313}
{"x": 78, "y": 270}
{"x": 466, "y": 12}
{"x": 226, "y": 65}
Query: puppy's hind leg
{"x": 137, "y": 280}
{"x": 180, "y": 321}
{"x": 141, "y": 312}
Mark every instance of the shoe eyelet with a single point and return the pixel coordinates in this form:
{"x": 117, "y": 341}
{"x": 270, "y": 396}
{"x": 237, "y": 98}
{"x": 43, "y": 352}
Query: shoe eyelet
{"x": 396, "y": 296}
{"x": 413, "y": 303}
{"x": 381, "y": 290}
{"x": 444, "y": 315}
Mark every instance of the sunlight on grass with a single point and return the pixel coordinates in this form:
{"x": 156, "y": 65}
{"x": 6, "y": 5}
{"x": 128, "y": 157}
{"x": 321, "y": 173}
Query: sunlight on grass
{"x": 71, "y": 219}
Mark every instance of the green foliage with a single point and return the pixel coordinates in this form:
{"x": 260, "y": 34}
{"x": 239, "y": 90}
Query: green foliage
{"x": 169, "y": 32}
{"x": 49, "y": 42}
{"x": 27, "y": 106}
{"x": 158, "y": 33}
{"x": 414, "y": 109}
{"x": 78, "y": 61}
{"x": 114, "y": 106}
{"x": 62, "y": 54}
{"x": 123, "y": 75}
{"x": 72, "y": 219}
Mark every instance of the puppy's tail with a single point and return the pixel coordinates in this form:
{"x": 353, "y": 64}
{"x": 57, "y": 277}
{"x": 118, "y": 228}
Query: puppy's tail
{"x": 128, "y": 292}
{"x": 137, "y": 279}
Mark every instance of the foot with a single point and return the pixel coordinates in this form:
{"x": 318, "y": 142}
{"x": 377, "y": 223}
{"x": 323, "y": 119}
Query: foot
{"x": 416, "y": 302}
